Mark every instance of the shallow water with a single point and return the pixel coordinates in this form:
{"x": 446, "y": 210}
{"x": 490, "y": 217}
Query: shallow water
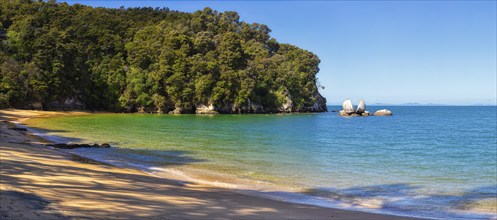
{"x": 438, "y": 162}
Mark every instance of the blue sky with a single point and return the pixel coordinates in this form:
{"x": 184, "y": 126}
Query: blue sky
{"x": 382, "y": 51}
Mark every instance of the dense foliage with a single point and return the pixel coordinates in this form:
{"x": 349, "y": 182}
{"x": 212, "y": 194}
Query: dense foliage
{"x": 54, "y": 55}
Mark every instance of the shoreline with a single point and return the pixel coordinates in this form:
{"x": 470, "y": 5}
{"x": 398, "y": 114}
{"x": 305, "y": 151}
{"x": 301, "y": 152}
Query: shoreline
{"x": 17, "y": 146}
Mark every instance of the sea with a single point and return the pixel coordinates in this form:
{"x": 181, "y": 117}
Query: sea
{"x": 436, "y": 162}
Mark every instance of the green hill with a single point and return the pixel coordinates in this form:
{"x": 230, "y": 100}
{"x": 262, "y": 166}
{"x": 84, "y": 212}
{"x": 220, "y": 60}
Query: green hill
{"x": 58, "y": 56}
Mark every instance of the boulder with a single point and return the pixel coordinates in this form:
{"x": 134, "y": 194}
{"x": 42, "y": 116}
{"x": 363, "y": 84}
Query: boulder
{"x": 343, "y": 113}
{"x": 383, "y": 112}
{"x": 361, "y": 108}
{"x": 348, "y": 107}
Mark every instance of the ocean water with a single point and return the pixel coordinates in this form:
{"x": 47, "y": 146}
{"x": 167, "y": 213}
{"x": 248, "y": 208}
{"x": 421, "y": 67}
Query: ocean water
{"x": 435, "y": 162}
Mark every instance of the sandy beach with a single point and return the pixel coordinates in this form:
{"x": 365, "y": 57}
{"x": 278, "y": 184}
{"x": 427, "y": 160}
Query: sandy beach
{"x": 38, "y": 182}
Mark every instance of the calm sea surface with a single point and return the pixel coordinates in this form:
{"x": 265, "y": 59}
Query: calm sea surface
{"x": 438, "y": 162}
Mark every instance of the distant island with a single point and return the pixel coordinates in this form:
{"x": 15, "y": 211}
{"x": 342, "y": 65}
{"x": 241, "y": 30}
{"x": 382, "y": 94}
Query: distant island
{"x": 56, "y": 56}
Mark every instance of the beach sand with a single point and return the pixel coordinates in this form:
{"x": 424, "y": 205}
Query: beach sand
{"x": 38, "y": 182}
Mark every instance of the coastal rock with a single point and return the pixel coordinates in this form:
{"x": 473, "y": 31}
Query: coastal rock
{"x": 141, "y": 110}
{"x": 203, "y": 109}
{"x": 227, "y": 108}
{"x": 249, "y": 107}
{"x": 383, "y": 112}
{"x": 255, "y": 107}
{"x": 343, "y": 113}
{"x": 365, "y": 113}
{"x": 177, "y": 110}
{"x": 361, "y": 107}
{"x": 288, "y": 105}
{"x": 319, "y": 104}
{"x": 73, "y": 146}
{"x": 348, "y": 107}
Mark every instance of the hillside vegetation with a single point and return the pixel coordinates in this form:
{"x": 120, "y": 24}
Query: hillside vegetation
{"x": 60, "y": 56}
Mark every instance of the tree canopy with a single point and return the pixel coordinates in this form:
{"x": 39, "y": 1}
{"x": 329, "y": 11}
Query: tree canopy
{"x": 56, "y": 55}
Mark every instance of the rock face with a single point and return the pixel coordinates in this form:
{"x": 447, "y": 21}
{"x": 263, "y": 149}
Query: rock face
{"x": 250, "y": 107}
{"x": 288, "y": 105}
{"x": 319, "y": 104}
{"x": 383, "y": 112}
{"x": 361, "y": 107}
{"x": 203, "y": 109}
{"x": 177, "y": 110}
{"x": 348, "y": 107}
{"x": 144, "y": 110}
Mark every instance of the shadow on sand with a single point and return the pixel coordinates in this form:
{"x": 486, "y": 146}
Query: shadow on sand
{"x": 93, "y": 191}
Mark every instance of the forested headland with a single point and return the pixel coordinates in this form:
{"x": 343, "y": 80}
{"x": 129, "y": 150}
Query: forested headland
{"x": 60, "y": 56}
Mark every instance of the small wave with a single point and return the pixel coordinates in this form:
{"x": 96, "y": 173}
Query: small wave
{"x": 376, "y": 199}
{"x": 488, "y": 205}
{"x": 163, "y": 172}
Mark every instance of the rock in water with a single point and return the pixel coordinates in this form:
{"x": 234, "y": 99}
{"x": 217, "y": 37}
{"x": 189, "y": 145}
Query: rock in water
{"x": 348, "y": 107}
{"x": 383, "y": 112}
{"x": 361, "y": 108}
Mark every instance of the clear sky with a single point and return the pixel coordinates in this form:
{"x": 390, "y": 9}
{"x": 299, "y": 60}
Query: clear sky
{"x": 382, "y": 51}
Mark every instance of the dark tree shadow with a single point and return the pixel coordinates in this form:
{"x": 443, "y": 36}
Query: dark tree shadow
{"x": 22, "y": 205}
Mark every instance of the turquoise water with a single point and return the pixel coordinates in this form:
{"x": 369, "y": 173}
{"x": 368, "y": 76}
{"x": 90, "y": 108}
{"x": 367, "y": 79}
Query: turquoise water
{"x": 438, "y": 162}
